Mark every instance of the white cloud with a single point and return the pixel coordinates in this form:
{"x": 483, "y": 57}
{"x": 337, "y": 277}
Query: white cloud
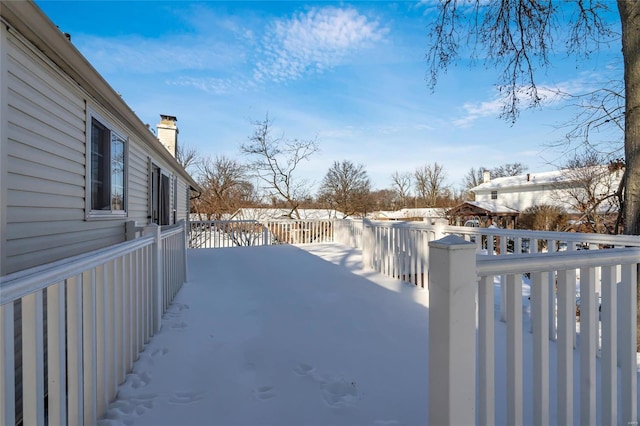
{"x": 313, "y": 42}
{"x": 548, "y": 96}
{"x": 218, "y": 86}
{"x": 144, "y": 55}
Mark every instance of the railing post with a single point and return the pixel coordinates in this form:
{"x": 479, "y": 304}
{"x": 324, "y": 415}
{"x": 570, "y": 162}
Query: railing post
{"x": 367, "y": 244}
{"x": 438, "y": 228}
{"x": 130, "y": 230}
{"x": 452, "y": 332}
{"x": 185, "y": 230}
{"x": 157, "y": 303}
{"x": 265, "y": 235}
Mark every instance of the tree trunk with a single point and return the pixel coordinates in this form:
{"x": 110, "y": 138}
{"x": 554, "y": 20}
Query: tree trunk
{"x": 630, "y": 19}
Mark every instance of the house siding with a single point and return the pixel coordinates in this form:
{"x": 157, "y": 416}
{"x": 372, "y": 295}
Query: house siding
{"x": 183, "y": 200}
{"x": 44, "y": 148}
{"x": 137, "y": 193}
{"x": 45, "y": 157}
{"x": 519, "y": 199}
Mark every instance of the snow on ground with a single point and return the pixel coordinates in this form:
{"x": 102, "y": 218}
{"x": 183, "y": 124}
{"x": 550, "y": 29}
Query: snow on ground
{"x": 277, "y": 336}
{"x": 284, "y": 335}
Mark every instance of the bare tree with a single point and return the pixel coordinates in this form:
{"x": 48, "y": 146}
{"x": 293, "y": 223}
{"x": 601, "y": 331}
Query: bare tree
{"x": 508, "y": 169}
{"x": 188, "y": 157}
{"x": 591, "y": 191}
{"x": 225, "y": 188}
{"x": 473, "y": 178}
{"x": 401, "y": 184}
{"x": 429, "y": 183}
{"x": 383, "y": 199}
{"x": 518, "y": 36}
{"x": 274, "y": 161}
{"x": 346, "y": 188}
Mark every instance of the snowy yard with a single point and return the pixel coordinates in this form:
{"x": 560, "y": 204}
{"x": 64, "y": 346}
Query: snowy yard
{"x": 284, "y": 335}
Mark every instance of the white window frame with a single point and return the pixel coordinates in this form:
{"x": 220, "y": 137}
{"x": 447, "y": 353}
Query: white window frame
{"x": 91, "y": 214}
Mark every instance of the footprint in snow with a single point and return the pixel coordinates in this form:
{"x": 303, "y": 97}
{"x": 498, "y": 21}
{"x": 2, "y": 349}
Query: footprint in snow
{"x": 303, "y": 369}
{"x": 340, "y": 393}
{"x": 179, "y": 325}
{"x": 264, "y": 393}
{"x": 186, "y": 397}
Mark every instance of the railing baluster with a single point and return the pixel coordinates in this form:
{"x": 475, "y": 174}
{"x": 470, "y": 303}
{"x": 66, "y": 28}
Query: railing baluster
{"x": 588, "y": 346}
{"x": 32, "y": 359}
{"x": 566, "y": 330}
{"x": 101, "y": 339}
{"x": 609, "y": 370}
{"x": 121, "y": 322}
{"x": 130, "y": 310}
{"x": 553, "y": 286}
{"x": 486, "y": 352}
{"x": 89, "y": 362}
{"x": 111, "y": 340}
{"x": 7, "y": 366}
{"x": 75, "y": 361}
{"x": 514, "y": 350}
{"x": 56, "y": 354}
{"x": 540, "y": 319}
{"x": 627, "y": 338}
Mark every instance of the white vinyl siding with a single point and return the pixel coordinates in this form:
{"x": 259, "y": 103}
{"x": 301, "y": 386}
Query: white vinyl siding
{"x": 44, "y": 163}
{"x": 182, "y": 199}
{"x": 138, "y": 207}
{"x": 523, "y": 198}
{"x": 46, "y": 177}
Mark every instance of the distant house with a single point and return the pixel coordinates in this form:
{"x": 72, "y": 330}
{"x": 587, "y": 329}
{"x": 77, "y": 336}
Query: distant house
{"x": 506, "y": 197}
{"x": 484, "y": 213}
{"x": 76, "y": 163}
{"x": 422, "y": 214}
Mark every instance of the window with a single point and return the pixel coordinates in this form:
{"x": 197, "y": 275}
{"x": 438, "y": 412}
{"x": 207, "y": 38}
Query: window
{"x": 175, "y": 199}
{"x": 107, "y": 171}
{"x": 494, "y": 195}
{"x": 160, "y": 196}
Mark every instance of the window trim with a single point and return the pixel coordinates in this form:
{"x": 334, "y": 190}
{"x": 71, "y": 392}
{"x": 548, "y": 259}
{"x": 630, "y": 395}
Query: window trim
{"x": 494, "y": 195}
{"x": 91, "y": 214}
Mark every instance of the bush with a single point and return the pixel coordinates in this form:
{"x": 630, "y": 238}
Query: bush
{"x": 543, "y": 218}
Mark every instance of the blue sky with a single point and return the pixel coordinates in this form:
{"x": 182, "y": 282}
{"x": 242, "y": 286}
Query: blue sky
{"x": 351, "y": 74}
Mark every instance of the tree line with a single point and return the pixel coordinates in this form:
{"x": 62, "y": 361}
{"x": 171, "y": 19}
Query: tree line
{"x": 269, "y": 178}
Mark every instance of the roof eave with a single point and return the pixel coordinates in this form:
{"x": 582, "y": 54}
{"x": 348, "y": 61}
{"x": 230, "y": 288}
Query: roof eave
{"x": 33, "y": 24}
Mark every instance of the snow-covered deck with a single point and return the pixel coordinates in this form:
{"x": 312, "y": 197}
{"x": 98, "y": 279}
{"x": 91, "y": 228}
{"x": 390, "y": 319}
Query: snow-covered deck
{"x": 276, "y": 335}
{"x": 286, "y": 335}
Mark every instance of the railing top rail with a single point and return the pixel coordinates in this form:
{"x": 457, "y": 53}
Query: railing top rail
{"x": 293, "y": 220}
{"x": 166, "y": 233}
{"x": 19, "y": 284}
{"x": 400, "y": 224}
{"x": 223, "y": 221}
{"x": 619, "y": 240}
{"x": 567, "y": 260}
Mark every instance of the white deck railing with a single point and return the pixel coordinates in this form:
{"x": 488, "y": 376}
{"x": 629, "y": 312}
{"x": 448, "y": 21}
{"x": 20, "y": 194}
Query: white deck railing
{"x": 461, "y": 267}
{"x": 452, "y": 329}
{"x": 101, "y": 308}
{"x": 234, "y": 233}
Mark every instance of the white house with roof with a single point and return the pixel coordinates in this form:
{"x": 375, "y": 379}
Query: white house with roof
{"x": 551, "y": 188}
{"x": 76, "y": 163}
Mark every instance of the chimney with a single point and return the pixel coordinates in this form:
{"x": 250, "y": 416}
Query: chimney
{"x": 486, "y": 176}
{"x": 168, "y": 133}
